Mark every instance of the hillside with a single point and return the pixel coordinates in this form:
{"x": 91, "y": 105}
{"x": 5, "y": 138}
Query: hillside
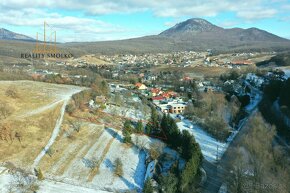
{"x": 200, "y": 28}
{"x": 9, "y": 35}
{"x": 278, "y": 60}
{"x": 193, "y": 34}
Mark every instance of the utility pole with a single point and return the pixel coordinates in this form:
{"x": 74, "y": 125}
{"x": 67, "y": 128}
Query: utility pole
{"x": 44, "y": 46}
{"x": 55, "y": 41}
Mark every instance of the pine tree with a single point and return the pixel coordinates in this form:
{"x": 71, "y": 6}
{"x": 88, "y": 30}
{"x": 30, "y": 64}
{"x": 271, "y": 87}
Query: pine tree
{"x": 148, "y": 188}
{"x": 128, "y": 126}
{"x": 164, "y": 123}
{"x": 148, "y": 128}
{"x": 155, "y": 119}
{"x": 169, "y": 183}
{"x": 139, "y": 127}
{"x": 173, "y": 133}
{"x": 127, "y": 130}
{"x": 190, "y": 172}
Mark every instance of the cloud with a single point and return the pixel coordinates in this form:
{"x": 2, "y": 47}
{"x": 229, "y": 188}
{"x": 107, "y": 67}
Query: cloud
{"x": 162, "y": 8}
{"x": 85, "y": 28}
{"x": 257, "y": 14}
{"x": 227, "y": 24}
{"x": 286, "y": 7}
{"x": 85, "y": 25}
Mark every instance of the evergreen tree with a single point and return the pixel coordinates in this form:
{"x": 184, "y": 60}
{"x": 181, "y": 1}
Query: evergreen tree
{"x": 285, "y": 94}
{"x": 189, "y": 145}
{"x": 128, "y": 126}
{"x": 148, "y": 128}
{"x": 127, "y": 130}
{"x": 190, "y": 172}
{"x": 148, "y": 188}
{"x": 169, "y": 183}
{"x": 153, "y": 123}
{"x": 164, "y": 122}
{"x": 139, "y": 127}
{"x": 173, "y": 133}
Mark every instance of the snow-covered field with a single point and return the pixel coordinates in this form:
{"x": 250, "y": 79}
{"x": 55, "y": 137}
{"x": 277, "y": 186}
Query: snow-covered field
{"x": 129, "y": 113}
{"x": 210, "y": 147}
{"x": 287, "y": 73}
{"x": 45, "y": 186}
{"x": 106, "y": 149}
{"x": 70, "y": 168}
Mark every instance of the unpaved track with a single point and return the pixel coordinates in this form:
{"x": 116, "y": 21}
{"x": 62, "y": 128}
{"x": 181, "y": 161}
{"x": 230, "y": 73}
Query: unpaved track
{"x": 56, "y": 128}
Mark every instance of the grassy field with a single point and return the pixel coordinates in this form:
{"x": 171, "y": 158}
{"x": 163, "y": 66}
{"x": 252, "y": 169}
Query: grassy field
{"x": 196, "y": 71}
{"x": 86, "y": 145}
{"x": 32, "y": 115}
{"x": 91, "y": 59}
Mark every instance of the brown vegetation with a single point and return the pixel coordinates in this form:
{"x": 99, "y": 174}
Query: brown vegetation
{"x": 211, "y": 111}
{"x": 259, "y": 164}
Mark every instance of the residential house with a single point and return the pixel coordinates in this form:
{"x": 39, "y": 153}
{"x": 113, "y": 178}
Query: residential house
{"x": 158, "y": 99}
{"x": 242, "y": 62}
{"x": 156, "y": 92}
{"x": 177, "y": 108}
{"x": 140, "y": 86}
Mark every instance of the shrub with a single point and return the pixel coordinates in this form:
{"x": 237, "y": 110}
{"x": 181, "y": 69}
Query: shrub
{"x": 217, "y": 127}
{"x": 148, "y": 188}
{"x": 70, "y": 108}
{"x": 118, "y": 167}
{"x": 39, "y": 174}
{"x": 12, "y": 92}
{"x": 5, "y": 110}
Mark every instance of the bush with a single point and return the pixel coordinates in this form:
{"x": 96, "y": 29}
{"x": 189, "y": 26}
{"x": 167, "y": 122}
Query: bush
{"x": 139, "y": 127}
{"x": 148, "y": 188}
{"x": 70, "y": 108}
{"x": 12, "y": 92}
{"x": 40, "y": 175}
{"x": 5, "y": 110}
{"x": 245, "y": 100}
{"x": 217, "y": 127}
{"x": 156, "y": 150}
{"x": 118, "y": 167}
{"x": 127, "y": 130}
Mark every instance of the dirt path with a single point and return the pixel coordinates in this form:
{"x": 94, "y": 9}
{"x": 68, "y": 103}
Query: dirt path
{"x": 56, "y": 129}
{"x": 41, "y": 109}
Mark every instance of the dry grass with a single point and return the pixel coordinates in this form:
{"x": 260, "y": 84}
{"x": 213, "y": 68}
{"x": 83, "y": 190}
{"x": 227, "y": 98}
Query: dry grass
{"x": 197, "y": 70}
{"x": 36, "y": 129}
{"x": 35, "y": 135}
{"x": 91, "y": 59}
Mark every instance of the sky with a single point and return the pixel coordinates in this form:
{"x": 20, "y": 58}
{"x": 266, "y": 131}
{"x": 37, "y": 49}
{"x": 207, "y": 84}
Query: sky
{"x": 101, "y": 20}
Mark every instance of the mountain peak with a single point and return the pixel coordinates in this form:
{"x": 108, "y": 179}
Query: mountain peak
{"x": 9, "y": 35}
{"x": 193, "y": 25}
